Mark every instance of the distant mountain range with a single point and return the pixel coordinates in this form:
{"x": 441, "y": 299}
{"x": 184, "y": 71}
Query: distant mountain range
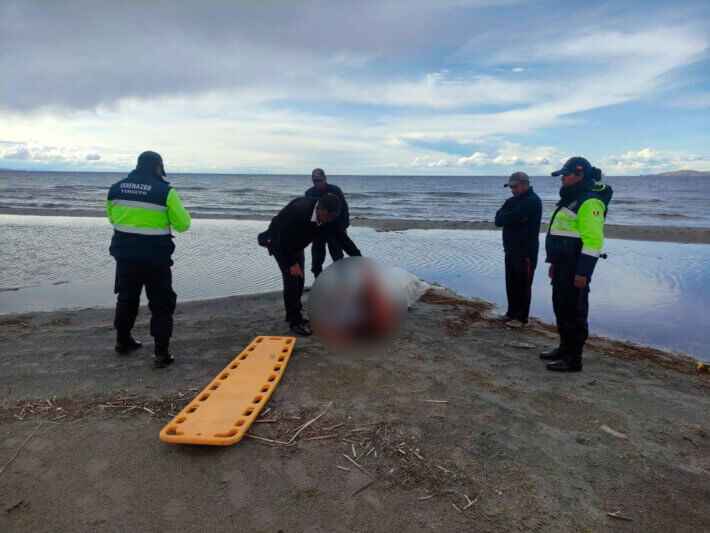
{"x": 682, "y": 174}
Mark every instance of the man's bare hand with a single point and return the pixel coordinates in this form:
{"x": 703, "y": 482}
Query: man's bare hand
{"x": 296, "y": 271}
{"x": 580, "y": 281}
{"x": 549, "y": 271}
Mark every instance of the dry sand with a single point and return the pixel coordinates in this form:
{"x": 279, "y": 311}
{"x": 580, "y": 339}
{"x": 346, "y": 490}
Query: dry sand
{"x": 684, "y": 234}
{"x": 459, "y": 410}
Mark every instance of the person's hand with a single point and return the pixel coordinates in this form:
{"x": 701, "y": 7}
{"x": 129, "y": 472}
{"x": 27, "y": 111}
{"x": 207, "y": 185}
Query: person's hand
{"x": 296, "y": 271}
{"x": 580, "y": 281}
{"x": 549, "y": 271}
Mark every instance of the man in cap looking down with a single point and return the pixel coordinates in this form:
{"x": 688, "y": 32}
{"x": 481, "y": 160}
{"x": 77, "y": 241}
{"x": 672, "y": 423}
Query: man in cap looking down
{"x": 320, "y": 188}
{"x": 520, "y": 219}
{"x": 142, "y": 208}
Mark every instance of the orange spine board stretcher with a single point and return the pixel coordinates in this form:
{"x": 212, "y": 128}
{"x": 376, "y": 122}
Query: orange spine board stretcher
{"x": 221, "y": 414}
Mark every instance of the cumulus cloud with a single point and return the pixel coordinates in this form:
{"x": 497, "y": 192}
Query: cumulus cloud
{"x": 37, "y": 153}
{"x": 648, "y": 160}
{"x": 427, "y": 162}
{"x": 513, "y": 154}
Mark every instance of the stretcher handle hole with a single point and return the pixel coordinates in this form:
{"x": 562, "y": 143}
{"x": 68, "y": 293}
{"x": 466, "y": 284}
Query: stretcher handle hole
{"x": 192, "y": 408}
{"x": 224, "y": 375}
{"x": 234, "y": 365}
{"x": 257, "y": 399}
{"x": 289, "y": 341}
{"x": 272, "y": 377}
{"x": 243, "y": 356}
{"x": 277, "y": 368}
{"x": 173, "y": 430}
{"x": 203, "y": 397}
{"x": 251, "y": 348}
{"x": 282, "y": 357}
{"x": 265, "y": 388}
{"x": 180, "y": 420}
{"x": 239, "y": 422}
{"x": 248, "y": 411}
{"x": 229, "y": 433}
{"x": 259, "y": 339}
{"x": 285, "y": 350}
{"x": 214, "y": 386}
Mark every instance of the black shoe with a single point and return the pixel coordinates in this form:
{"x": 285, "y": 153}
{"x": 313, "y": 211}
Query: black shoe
{"x": 554, "y": 355}
{"x": 162, "y": 359}
{"x": 126, "y": 346}
{"x": 301, "y": 328}
{"x": 568, "y": 364}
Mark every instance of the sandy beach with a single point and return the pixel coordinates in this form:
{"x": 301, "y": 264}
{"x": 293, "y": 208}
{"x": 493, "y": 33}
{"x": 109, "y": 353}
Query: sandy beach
{"x": 457, "y": 427}
{"x": 684, "y": 234}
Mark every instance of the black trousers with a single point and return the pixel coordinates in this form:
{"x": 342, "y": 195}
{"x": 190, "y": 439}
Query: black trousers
{"x": 318, "y": 253}
{"x": 131, "y": 276}
{"x": 571, "y": 305}
{"x": 293, "y": 288}
{"x": 519, "y": 272}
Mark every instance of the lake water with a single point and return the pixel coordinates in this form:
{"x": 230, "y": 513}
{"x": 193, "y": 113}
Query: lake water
{"x": 653, "y": 293}
{"x": 637, "y": 200}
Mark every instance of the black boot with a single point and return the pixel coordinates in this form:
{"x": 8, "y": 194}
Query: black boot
{"x": 162, "y": 355}
{"x": 571, "y": 363}
{"x": 555, "y": 355}
{"x": 302, "y": 328}
{"x": 125, "y": 344}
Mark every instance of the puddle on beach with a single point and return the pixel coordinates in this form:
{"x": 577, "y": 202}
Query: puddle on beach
{"x": 649, "y": 292}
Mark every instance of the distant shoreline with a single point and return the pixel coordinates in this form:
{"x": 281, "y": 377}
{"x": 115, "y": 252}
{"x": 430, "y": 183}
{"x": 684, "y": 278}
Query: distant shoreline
{"x": 682, "y": 234}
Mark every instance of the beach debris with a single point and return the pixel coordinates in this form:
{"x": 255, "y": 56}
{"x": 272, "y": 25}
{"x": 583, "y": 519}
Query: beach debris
{"x": 426, "y": 497}
{"x": 614, "y": 433}
{"x": 691, "y": 441}
{"x": 273, "y": 441}
{"x": 618, "y": 516}
{"x": 469, "y": 501}
{"x": 456, "y": 507}
{"x": 366, "y": 485}
{"x": 20, "y": 447}
{"x": 355, "y": 463}
{"x": 304, "y": 426}
{"x": 342, "y": 468}
{"x": 436, "y": 401}
{"x": 519, "y": 344}
{"x": 103, "y": 326}
{"x": 353, "y": 449}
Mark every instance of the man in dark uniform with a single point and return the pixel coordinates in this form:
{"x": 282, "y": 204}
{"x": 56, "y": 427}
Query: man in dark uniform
{"x": 322, "y": 187}
{"x": 296, "y": 226}
{"x": 142, "y": 208}
{"x": 520, "y": 219}
{"x": 573, "y": 245}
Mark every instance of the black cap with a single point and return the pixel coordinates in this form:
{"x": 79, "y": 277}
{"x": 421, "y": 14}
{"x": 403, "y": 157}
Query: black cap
{"x": 516, "y": 177}
{"x": 574, "y": 165}
{"x": 317, "y": 174}
{"x": 149, "y": 160}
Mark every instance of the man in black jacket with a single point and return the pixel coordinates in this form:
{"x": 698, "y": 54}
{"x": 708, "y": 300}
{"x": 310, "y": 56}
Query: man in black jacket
{"x": 296, "y": 226}
{"x": 520, "y": 219}
{"x": 320, "y": 188}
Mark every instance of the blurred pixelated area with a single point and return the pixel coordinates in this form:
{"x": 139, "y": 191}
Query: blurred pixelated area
{"x": 357, "y": 304}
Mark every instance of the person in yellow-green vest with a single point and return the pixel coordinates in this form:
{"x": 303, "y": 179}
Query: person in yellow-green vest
{"x": 143, "y": 208}
{"x": 573, "y": 245}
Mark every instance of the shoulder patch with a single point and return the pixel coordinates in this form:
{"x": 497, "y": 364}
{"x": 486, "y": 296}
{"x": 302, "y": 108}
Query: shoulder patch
{"x": 595, "y": 213}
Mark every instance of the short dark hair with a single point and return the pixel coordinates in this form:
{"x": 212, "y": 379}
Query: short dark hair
{"x": 330, "y": 204}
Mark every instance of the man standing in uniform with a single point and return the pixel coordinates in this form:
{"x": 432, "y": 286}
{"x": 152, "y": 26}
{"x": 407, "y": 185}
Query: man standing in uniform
{"x": 322, "y": 187}
{"x": 142, "y": 207}
{"x": 520, "y": 219}
{"x": 573, "y": 244}
{"x": 296, "y": 226}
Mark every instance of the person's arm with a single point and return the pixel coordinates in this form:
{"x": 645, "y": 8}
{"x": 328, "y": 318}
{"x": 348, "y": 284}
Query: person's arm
{"x": 344, "y": 210}
{"x": 178, "y": 217}
{"x": 515, "y": 215}
{"x": 590, "y": 220}
{"x": 108, "y": 210}
{"x": 345, "y": 241}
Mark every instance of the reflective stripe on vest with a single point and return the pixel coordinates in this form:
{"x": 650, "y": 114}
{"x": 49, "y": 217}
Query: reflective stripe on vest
{"x": 569, "y": 213}
{"x": 142, "y": 231}
{"x": 565, "y": 233}
{"x": 139, "y": 205}
{"x": 591, "y": 251}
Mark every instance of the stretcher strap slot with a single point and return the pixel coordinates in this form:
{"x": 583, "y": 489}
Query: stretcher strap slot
{"x": 203, "y": 397}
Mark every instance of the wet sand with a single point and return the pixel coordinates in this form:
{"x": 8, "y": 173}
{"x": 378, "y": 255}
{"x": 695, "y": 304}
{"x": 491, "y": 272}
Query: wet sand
{"x": 683, "y": 234}
{"x": 459, "y": 410}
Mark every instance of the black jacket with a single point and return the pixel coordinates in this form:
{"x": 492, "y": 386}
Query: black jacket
{"x": 292, "y": 230}
{"x": 344, "y": 211}
{"x": 520, "y": 218}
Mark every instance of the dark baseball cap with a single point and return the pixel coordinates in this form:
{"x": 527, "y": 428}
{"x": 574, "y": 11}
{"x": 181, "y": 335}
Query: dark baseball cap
{"x": 317, "y": 174}
{"x": 150, "y": 160}
{"x": 574, "y": 165}
{"x": 515, "y": 178}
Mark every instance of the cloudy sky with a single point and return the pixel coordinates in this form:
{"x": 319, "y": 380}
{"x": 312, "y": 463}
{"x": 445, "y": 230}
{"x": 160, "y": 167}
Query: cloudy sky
{"x": 357, "y": 87}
